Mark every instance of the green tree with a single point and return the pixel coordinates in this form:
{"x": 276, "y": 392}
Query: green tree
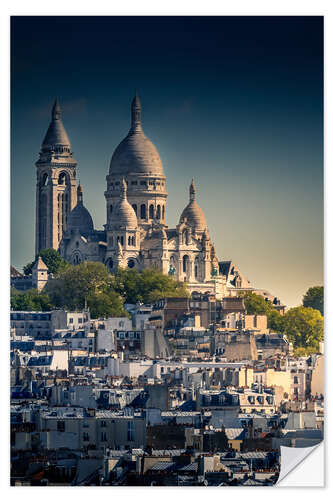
{"x": 106, "y": 304}
{"x": 314, "y": 298}
{"x": 148, "y": 286}
{"x": 31, "y": 300}
{"x": 75, "y": 284}
{"x": 257, "y": 304}
{"x": 275, "y": 321}
{"x": 304, "y": 327}
{"x": 52, "y": 259}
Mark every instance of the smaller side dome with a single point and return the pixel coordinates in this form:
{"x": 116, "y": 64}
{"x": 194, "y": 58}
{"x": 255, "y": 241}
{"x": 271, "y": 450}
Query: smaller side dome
{"x": 80, "y": 218}
{"x": 123, "y": 214}
{"x": 192, "y": 213}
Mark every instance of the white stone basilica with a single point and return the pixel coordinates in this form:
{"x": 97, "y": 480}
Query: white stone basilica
{"x": 135, "y": 234}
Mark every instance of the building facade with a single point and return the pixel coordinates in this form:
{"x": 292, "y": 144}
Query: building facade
{"x": 136, "y": 234}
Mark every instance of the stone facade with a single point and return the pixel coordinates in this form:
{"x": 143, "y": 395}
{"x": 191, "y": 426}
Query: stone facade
{"x": 135, "y": 234}
{"x": 56, "y": 193}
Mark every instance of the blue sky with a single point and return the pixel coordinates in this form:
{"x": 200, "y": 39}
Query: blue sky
{"x": 235, "y": 102}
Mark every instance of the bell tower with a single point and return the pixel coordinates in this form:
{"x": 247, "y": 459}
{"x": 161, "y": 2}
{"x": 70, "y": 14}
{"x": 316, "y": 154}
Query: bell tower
{"x": 56, "y": 191}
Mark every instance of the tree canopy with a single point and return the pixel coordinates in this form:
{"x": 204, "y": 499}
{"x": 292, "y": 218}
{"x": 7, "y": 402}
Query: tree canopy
{"x": 257, "y": 304}
{"x": 90, "y": 284}
{"x": 30, "y": 300}
{"x": 314, "y": 298}
{"x": 77, "y": 286}
{"x": 52, "y": 259}
{"x": 147, "y": 286}
{"x": 304, "y": 327}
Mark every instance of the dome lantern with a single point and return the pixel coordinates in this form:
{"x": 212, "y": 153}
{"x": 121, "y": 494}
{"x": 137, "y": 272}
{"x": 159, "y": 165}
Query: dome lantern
{"x": 192, "y": 213}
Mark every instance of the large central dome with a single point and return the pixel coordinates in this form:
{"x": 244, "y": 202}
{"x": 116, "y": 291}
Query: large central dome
{"x": 136, "y": 154}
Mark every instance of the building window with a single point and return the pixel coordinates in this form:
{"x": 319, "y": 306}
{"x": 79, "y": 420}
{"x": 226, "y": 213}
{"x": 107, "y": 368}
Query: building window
{"x": 130, "y": 431}
{"x": 131, "y": 263}
{"x": 61, "y": 426}
{"x": 111, "y": 209}
{"x": 158, "y": 212}
{"x": 151, "y": 211}
{"x": 143, "y": 211}
{"x": 295, "y": 380}
{"x": 185, "y": 263}
{"x": 71, "y": 320}
{"x": 103, "y": 423}
{"x": 85, "y": 436}
{"x": 103, "y": 436}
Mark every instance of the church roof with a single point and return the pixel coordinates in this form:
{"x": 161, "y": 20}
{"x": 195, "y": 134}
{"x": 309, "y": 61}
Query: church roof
{"x": 136, "y": 153}
{"x": 123, "y": 213}
{"x": 56, "y": 134}
{"x": 14, "y": 273}
{"x": 193, "y": 213}
{"x": 40, "y": 264}
{"x": 80, "y": 218}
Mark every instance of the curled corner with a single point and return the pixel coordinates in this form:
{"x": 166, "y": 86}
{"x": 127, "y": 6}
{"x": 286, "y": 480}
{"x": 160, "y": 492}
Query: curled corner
{"x": 291, "y": 458}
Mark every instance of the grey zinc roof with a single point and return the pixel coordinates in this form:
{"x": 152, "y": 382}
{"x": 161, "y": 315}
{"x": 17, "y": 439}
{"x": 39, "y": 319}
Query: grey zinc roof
{"x": 162, "y": 466}
{"x": 235, "y": 433}
{"x": 192, "y": 467}
{"x": 254, "y": 454}
{"x": 166, "y": 453}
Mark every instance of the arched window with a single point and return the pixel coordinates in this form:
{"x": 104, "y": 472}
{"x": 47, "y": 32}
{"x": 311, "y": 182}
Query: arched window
{"x": 158, "y": 212}
{"x": 196, "y": 268}
{"x": 131, "y": 263}
{"x": 151, "y": 211}
{"x": 143, "y": 211}
{"x": 185, "y": 263}
{"x": 133, "y": 241}
{"x": 185, "y": 237}
{"x": 122, "y": 240}
{"x": 111, "y": 208}
{"x": 129, "y": 240}
{"x": 135, "y": 208}
{"x": 76, "y": 259}
{"x": 163, "y": 213}
{"x": 111, "y": 241}
{"x": 62, "y": 179}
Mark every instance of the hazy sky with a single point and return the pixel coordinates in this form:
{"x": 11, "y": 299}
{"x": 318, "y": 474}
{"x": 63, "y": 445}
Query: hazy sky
{"x": 235, "y": 102}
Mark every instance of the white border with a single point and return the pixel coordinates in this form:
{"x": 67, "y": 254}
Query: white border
{"x": 145, "y": 7}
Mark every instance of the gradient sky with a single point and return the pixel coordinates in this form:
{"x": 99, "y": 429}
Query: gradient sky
{"x": 235, "y": 102}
